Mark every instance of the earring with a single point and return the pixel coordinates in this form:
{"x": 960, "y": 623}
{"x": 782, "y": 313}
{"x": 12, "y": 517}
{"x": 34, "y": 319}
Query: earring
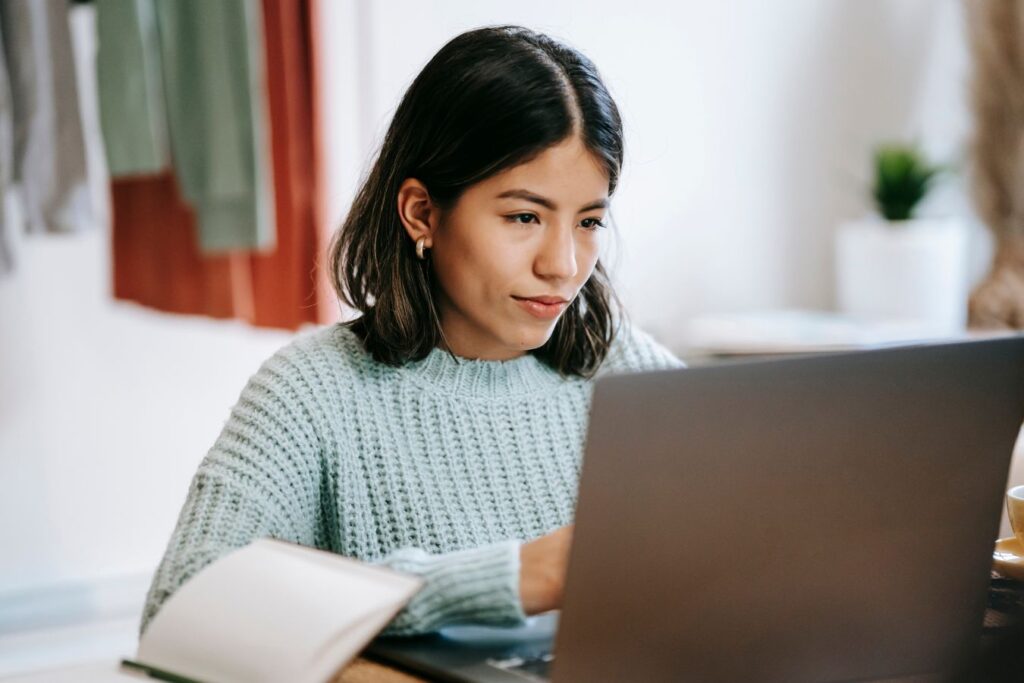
{"x": 421, "y": 245}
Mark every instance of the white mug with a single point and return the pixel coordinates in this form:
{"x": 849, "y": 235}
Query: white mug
{"x": 1015, "y": 510}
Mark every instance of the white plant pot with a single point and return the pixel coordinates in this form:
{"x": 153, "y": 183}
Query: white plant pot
{"x": 909, "y": 271}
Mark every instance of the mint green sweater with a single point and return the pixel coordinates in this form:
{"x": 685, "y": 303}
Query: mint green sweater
{"x": 440, "y": 468}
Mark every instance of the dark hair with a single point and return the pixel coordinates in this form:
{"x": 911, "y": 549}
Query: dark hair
{"x": 490, "y": 99}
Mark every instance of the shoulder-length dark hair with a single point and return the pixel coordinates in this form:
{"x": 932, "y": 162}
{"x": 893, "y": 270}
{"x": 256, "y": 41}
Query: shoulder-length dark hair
{"x": 490, "y": 99}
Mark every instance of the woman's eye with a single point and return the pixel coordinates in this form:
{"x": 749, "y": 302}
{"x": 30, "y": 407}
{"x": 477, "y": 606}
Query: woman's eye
{"x": 592, "y": 223}
{"x": 521, "y": 218}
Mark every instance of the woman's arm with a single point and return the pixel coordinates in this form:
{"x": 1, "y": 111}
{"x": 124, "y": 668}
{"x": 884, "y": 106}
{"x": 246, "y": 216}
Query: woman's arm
{"x": 261, "y": 479}
{"x": 499, "y": 584}
{"x": 477, "y": 585}
{"x": 542, "y": 575}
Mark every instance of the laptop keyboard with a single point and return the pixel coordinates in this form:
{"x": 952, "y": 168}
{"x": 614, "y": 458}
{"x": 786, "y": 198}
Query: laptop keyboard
{"x": 531, "y": 666}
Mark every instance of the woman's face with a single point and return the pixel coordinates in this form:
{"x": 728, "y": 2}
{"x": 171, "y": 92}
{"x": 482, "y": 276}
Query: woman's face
{"x": 516, "y": 249}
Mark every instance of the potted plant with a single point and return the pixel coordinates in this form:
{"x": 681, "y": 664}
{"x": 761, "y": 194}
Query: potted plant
{"x": 895, "y": 267}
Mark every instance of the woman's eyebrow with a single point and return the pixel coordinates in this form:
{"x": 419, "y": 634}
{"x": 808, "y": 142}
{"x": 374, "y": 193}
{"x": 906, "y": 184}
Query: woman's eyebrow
{"x": 547, "y": 203}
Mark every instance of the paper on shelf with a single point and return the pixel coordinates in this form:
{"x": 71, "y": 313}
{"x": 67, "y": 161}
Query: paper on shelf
{"x": 798, "y": 331}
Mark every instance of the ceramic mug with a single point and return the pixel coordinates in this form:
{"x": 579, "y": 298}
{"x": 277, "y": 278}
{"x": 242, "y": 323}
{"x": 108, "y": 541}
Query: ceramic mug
{"x": 1015, "y": 510}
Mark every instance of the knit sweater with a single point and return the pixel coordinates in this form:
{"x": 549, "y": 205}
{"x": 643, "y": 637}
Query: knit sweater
{"x": 440, "y": 468}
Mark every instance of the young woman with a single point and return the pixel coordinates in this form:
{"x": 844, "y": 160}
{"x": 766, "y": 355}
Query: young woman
{"x": 441, "y": 432}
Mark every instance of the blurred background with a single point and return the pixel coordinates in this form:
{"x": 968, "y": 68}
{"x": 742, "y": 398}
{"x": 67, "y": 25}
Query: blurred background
{"x": 170, "y": 174}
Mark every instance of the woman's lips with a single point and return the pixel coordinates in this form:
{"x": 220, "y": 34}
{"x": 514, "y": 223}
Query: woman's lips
{"x": 541, "y": 308}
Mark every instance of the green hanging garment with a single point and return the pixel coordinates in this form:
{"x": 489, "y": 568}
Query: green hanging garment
{"x": 131, "y": 88}
{"x": 209, "y": 57}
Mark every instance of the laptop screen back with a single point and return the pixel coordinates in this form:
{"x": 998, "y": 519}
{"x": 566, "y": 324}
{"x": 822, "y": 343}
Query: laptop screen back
{"x": 826, "y": 518}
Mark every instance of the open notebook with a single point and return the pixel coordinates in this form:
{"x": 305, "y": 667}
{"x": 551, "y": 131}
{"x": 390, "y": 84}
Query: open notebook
{"x": 271, "y": 611}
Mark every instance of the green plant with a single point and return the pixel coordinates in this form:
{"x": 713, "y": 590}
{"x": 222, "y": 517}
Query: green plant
{"x": 902, "y": 178}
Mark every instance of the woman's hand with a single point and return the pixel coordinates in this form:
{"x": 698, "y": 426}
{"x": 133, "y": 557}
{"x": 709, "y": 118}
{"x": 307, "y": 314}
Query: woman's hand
{"x": 542, "y": 567}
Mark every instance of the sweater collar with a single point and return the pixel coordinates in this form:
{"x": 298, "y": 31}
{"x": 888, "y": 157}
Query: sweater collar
{"x": 456, "y": 375}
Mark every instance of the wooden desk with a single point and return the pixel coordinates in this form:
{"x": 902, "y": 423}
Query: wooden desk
{"x": 108, "y": 670}
{"x": 362, "y": 670}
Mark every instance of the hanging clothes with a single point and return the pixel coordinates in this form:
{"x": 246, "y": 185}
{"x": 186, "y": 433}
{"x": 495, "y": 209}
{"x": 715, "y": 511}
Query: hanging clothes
{"x": 130, "y": 88}
{"x": 160, "y": 257}
{"x": 215, "y": 83}
{"x": 47, "y": 156}
{"x": 187, "y": 80}
{"x": 285, "y": 282}
{"x": 156, "y": 256}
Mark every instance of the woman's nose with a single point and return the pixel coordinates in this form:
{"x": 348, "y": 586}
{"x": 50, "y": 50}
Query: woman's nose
{"x": 557, "y": 255}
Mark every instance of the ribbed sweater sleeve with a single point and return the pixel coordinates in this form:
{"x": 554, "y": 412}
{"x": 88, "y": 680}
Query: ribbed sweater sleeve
{"x": 477, "y": 585}
{"x": 261, "y": 478}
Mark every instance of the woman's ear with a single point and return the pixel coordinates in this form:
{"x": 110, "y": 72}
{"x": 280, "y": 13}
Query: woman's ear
{"x": 416, "y": 210}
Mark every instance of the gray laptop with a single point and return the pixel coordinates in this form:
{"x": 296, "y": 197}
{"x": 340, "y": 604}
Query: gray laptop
{"x": 822, "y": 518}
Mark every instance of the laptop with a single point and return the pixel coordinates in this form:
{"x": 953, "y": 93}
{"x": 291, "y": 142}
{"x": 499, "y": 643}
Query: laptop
{"x": 819, "y": 518}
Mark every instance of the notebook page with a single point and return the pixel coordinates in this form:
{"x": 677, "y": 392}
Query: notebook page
{"x": 262, "y": 613}
{"x": 344, "y": 647}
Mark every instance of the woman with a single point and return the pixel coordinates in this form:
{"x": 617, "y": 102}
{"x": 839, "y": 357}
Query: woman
{"x": 441, "y": 432}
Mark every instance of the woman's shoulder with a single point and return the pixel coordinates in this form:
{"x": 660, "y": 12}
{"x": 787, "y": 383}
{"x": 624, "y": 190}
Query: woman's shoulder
{"x": 316, "y": 353}
{"x": 327, "y": 343}
{"x": 634, "y": 350}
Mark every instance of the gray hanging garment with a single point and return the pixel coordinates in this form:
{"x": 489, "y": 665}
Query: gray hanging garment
{"x": 48, "y": 158}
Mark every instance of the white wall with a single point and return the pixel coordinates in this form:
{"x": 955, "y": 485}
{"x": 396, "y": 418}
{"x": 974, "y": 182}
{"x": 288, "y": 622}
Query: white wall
{"x": 106, "y": 409}
{"x": 749, "y": 128}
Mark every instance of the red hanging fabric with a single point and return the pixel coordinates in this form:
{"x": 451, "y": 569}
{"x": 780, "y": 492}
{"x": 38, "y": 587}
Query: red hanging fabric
{"x": 284, "y": 282}
{"x": 156, "y": 256}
